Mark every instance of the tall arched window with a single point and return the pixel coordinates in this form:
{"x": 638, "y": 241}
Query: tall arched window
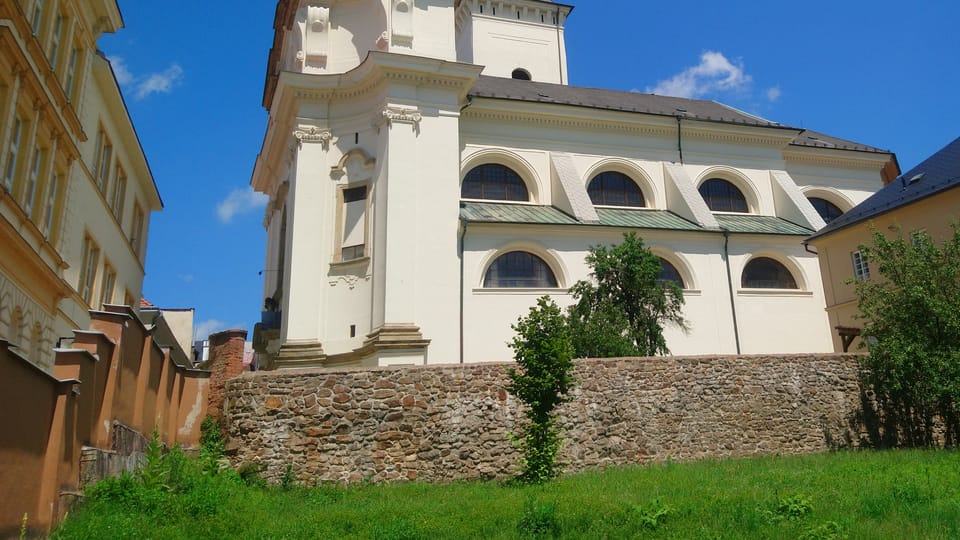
{"x": 615, "y": 189}
{"x": 668, "y": 273}
{"x": 766, "y": 273}
{"x": 495, "y": 182}
{"x": 519, "y": 269}
{"x": 827, "y": 210}
{"x": 722, "y": 196}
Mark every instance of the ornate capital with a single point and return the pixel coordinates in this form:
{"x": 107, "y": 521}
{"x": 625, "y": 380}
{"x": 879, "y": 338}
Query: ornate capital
{"x": 403, "y": 115}
{"x": 313, "y": 134}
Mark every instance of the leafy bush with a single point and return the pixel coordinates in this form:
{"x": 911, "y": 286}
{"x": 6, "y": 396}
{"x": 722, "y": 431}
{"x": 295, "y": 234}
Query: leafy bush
{"x": 212, "y": 445}
{"x": 912, "y": 324}
{"x": 792, "y": 508}
{"x": 652, "y": 515}
{"x": 623, "y": 312}
{"x": 544, "y": 351}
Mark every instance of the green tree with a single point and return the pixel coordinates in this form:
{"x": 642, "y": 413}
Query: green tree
{"x": 623, "y": 311}
{"x": 911, "y": 312}
{"x": 542, "y": 381}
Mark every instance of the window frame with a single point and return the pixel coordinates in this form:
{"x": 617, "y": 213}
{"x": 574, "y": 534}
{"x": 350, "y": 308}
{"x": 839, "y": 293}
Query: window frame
{"x": 341, "y": 216}
{"x": 108, "y": 283}
{"x": 759, "y": 258}
{"x": 13, "y": 154}
{"x": 90, "y": 259}
{"x": 136, "y": 229}
{"x": 627, "y": 180}
{"x": 714, "y": 180}
{"x": 534, "y": 257}
{"x": 506, "y": 182}
{"x": 861, "y": 267}
{"x": 812, "y": 198}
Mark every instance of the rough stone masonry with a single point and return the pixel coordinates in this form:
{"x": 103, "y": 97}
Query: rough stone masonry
{"x": 443, "y": 423}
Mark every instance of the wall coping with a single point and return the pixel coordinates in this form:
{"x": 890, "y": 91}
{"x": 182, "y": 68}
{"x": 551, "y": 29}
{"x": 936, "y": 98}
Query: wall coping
{"x": 474, "y": 365}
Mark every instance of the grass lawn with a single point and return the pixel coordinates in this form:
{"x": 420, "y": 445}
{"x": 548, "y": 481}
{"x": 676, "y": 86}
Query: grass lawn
{"x": 889, "y": 494}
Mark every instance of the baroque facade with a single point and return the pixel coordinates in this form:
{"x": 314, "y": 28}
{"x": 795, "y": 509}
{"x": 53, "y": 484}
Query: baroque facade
{"x": 75, "y": 189}
{"x": 431, "y": 173}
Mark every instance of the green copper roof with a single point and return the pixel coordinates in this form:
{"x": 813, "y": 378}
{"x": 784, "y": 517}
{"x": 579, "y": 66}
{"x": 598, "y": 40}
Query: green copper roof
{"x": 495, "y": 212}
{"x": 751, "y": 224}
{"x": 644, "y": 219}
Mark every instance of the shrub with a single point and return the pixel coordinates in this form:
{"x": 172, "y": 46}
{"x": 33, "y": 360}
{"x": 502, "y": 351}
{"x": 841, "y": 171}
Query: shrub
{"x": 544, "y": 351}
{"x": 539, "y": 520}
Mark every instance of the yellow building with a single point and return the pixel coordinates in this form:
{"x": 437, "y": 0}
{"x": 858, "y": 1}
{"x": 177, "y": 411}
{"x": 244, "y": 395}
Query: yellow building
{"x": 76, "y": 192}
{"x": 926, "y": 198}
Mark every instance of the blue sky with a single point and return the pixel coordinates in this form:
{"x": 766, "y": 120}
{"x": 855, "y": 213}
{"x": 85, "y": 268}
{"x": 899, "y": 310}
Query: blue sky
{"x": 882, "y": 73}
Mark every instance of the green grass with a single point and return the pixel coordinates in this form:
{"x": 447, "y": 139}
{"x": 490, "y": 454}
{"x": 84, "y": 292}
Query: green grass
{"x": 892, "y": 494}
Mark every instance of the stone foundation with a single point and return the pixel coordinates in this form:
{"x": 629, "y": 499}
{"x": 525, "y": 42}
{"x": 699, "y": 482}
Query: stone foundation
{"x": 452, "y": 422}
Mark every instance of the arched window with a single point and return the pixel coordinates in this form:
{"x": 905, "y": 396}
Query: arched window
{"x": 766, "y": 273}
{"x": 668, "y": 273}
{"x": 519, "y": 269}
{"x": 722, "y": 196}
{"x": 521, "y": 74}
{"x": 615, "y": 189}
{"x": 827, "y": 210}
{"x": 495, "y": 182}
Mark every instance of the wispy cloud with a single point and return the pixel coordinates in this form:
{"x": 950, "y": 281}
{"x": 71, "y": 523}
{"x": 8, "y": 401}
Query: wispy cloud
{"x": 203, "y": 329}
{"x": 240, "y": 201}
{"x": 186, "y": 278}
{"x": 714, "y": 73}
{"x": 124, "y": 77}
{"x": 160, "y": 82}
{"x": 773, "y": 93}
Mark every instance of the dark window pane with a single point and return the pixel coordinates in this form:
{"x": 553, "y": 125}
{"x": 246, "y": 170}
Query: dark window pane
{"x": 615, "y": 189}
{"x": 355, "y": 194}
{"x": 766, "y": 273}
{"x": 722, "y": 196}
{"x": 668, "y": 272}
{"x": 519, "y": 269}
{"x": 827, "y": 210}
{"x": 494, "y": 182}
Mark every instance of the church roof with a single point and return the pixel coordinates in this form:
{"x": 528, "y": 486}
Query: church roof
{"x": 936, "y": 174}
{"x": 636, "y": 102}
{"x": 529, "y": 214}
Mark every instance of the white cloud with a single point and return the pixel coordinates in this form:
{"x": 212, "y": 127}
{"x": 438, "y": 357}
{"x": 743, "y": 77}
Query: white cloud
{"x": 714, "y": 73}
{"x": 773, "y": 93}
{"x": 159, "y": 83}
{"x": 186, "y": 278}
{"x": 203, "y": 329}
{"x": 240, "y": 201}
{"x": 124, "y": 77}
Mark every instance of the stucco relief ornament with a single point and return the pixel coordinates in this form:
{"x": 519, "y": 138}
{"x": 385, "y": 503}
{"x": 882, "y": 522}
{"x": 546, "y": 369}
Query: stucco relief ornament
{"x": 349, "y": 281}
{"x": 313, "y": 134}
{"x": 406, "y": 116}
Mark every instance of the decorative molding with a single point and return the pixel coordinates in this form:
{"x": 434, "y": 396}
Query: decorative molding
{"x": 848, "y": 160}
{"x": 366, "y": 161}
{"x": 570, "y": 123}
{"x": 350, "y": 281}
{"x": 313, "y": 134}
{"x": 402, "y": 115}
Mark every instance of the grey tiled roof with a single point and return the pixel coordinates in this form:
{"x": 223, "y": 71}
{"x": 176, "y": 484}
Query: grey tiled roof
{"x": 496, "y": 212}
{"x": 936, "y": 174}
{"x": 636, "y": 102}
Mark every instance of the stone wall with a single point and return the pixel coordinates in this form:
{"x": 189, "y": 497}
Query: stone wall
{"x": 451, "y": 422}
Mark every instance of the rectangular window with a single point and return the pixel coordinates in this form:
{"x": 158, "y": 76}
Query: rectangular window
{"x": 354, "y": 223}
{"x": 55, "y": 42}
{"x": 11, "y": 169}
{"x": 37, "y": 17}
{"x": 30, "y": 194}
{"x": 50, "y": 209}
{"x": 101, "y": 168}
{"x": 88, "y": 269}
{"x": 108, "y": 284}
{"x": 119, "y": 192}
{"x": 861, "y": 270}
{"x": 136, "y": 229}
{"x": 71, "y": 72}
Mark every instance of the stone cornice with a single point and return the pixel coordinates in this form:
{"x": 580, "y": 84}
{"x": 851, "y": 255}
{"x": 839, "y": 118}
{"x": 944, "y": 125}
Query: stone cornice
{"x": 826, "y": 157}
{"x": 573, "y": 121}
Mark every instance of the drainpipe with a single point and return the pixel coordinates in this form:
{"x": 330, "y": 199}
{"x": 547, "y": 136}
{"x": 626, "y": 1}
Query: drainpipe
{"x": 463, "y": 235}
{"x": 733, "y": 304}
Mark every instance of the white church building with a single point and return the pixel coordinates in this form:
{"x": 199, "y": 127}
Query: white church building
{"x": 431, "y": 173}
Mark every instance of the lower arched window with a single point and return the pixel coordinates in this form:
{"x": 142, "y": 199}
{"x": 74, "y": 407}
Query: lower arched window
{"x": 767, "y": 273}
{"x": 722, "y": 196}
{"x": 669, "y": 273}
{"x": 827, "y": 210}
{"x": 519, "y": 269}
{"x": 493, "y": 181}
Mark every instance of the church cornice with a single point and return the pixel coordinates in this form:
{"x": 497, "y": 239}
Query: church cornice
{"x": 846, "y": 159}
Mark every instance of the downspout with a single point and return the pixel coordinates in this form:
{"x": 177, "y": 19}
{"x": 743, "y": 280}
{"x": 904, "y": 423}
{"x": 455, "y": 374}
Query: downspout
{"x": 463, "y": 235}
{"x": 733, "y": 304}
{"x": 680, "y": 138}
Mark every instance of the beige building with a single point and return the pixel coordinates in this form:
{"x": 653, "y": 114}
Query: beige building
{"x": 76, "y": 192}
{"x": 925, "y": 198}
{"x": 431, "y": 173}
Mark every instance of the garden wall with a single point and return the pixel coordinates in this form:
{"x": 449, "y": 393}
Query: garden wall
{"x": 452, "y": 422}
